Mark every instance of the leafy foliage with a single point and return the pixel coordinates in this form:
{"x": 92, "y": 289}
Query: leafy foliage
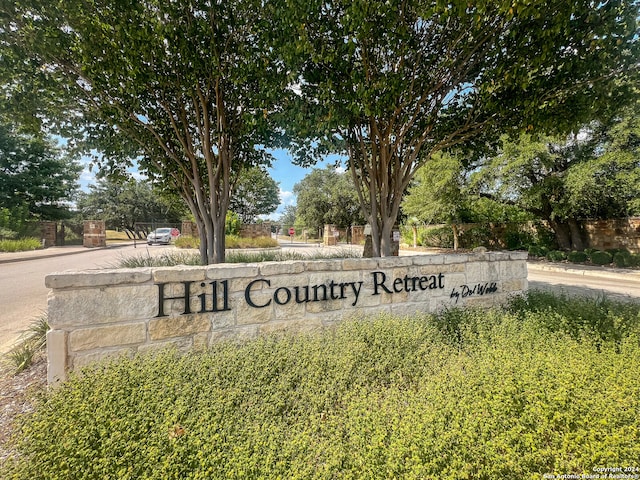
{"x": 123, "y": 203}
{"x": 236, "y": 256}
{"x": 232, "y": 224}
{"x": 20, "y": 245}
{"x": 288, "y": 218}
{"x": 601, "y": 258}
{"x": 188, "y": 89}
{"x": 556, "y": 256}
{"x": 392, "y": 82}
{"x": 326, "y": 196}
{"x": 623, "y": 259}
{"x": 32, "y": 343}
{"x": 36, "y": 180}
{"x": 591, "y": 174}
{"x": 548, "y": 386}
{"x": 254, "y": 194}
{"x": 577, "y": 257}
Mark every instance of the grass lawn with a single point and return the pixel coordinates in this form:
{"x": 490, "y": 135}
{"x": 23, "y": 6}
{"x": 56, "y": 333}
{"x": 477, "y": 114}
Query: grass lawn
{"x": 547, "y": 385}
{"x": 114, "y": 236}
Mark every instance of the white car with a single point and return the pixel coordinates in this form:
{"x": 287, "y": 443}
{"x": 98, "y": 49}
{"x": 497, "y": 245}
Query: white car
{"x": 163, "y": 236}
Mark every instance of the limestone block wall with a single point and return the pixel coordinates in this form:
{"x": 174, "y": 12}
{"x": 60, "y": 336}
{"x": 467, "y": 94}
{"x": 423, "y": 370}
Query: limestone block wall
{"x": 103, "y": 313}
{"x": 255, "y": 230}
{"x": 617, "y": 233}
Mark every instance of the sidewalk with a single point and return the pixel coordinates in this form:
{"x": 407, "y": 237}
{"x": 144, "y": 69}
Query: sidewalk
{"x": 10, "y": 257}
{"x": 584, "y": 270}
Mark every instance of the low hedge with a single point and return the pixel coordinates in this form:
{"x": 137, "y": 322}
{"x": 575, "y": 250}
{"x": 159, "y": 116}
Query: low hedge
{"x": 601, "y": 258}
{"x": 231, "y": 241}
{"x": 556, "y": 256}
{"x": 538, "y": 251}
{"x": 623, "y": 259}
{"x": 577, "y": 257}
{"x": 514, "y": 393}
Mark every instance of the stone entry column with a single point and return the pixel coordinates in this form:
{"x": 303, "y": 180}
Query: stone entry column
{"x": 329, "y": 237}
{"x": 95, "y": 234}
{"x": 48, "y": 233}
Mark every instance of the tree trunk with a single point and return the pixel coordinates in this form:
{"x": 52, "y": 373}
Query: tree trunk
{"x": 414, "y": 229}
{"x": 375, "y": 236}
{"x": 563, "y": 234}
{"x": 577, "y": 240}
{"x": 219, "y": 240}
{"x": 386, "y": 240}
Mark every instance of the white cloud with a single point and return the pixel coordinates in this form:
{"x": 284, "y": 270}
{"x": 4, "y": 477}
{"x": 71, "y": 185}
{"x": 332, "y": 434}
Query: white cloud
{"x": 287, "y": 198}
{"x": 87, "y": 177}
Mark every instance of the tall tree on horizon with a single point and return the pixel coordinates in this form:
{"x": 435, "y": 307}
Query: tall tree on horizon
{"x": 255, "y": 193}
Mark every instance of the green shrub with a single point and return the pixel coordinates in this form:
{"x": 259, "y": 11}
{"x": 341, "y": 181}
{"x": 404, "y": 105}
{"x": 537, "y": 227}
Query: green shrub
{"x": 20, "y": 245}
{"x": 233, "y": 241}
{"x": 601, "y": 258}
{"x": 635, "y": 260}
{"x": 538, "y": 251}
{"x": 598, "y": 319}
{"x": 169, "y": 259}
{"x": 517, "y": 239}
{"x": 172, "y": 259}
{"x": 441, "y": 237}
{"x": 577, "y": 257}
{"x": 622, "y": 259}
{"x": 495, "y": 394}
{"x": 556, "y": 256}
{"x": 232, "y": 223}
{"x": 545, "y": 236}
{"x": 32, "y": 343}
{"x": 6, "y": 234}
{"x": 478, "y": 235}
{"x": 184, "y": 241}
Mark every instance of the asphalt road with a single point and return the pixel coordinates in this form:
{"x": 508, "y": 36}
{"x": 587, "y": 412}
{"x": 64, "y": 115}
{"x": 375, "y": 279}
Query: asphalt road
{"x": 23, "y": 295}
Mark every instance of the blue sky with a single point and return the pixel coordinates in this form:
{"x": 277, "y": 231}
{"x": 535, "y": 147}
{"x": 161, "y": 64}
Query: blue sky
{"x": 287, "y": 175}
{"x": 282, "y": 171}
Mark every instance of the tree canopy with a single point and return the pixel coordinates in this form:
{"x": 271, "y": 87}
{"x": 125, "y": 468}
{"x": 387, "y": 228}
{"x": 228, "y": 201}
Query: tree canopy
{"x": 187, "y": 88}
{"x": 37, "y": 181}
{"x": 122, "y": 204}
{"x": 326, "y": 196}
{"x": 194, "y": 89}
{"x": 255, "y": 193}
{"x": 561, "y": 179}
{"x": 392, "y": 82}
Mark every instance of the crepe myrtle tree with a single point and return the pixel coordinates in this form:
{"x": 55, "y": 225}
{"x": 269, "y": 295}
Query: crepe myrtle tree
{"x": 390, "y": 83}
{"x": 189, "y": 89}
